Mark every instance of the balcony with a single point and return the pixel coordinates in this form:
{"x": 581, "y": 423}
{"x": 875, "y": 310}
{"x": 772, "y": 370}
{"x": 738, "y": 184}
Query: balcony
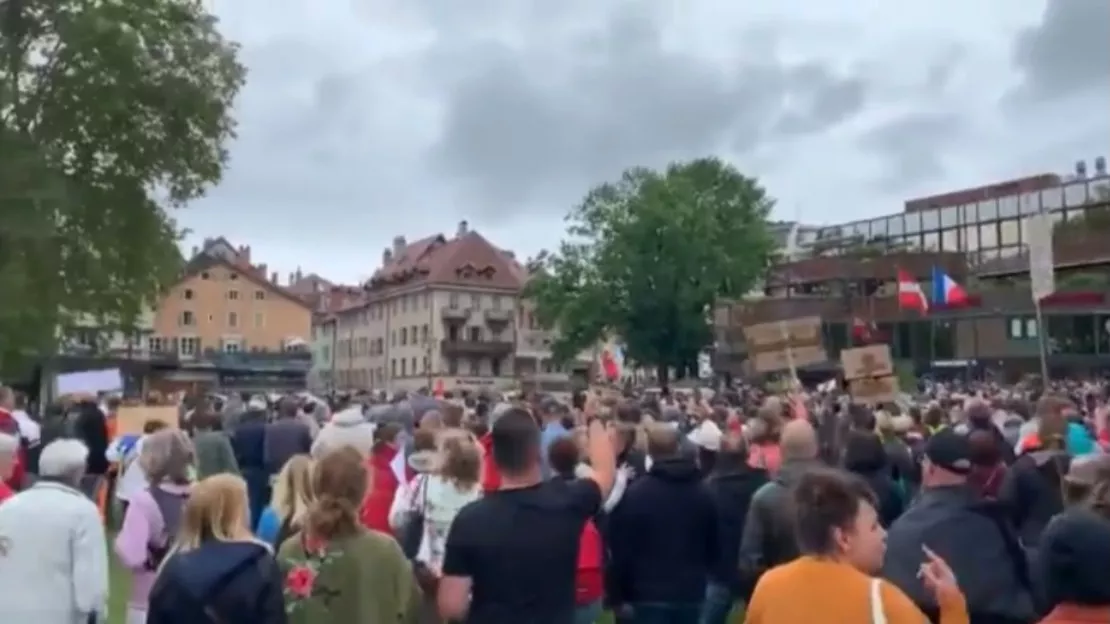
{"x": 498, "y": 317}
{"x": 455, "y": 315}
{"x": 491, "y": 348}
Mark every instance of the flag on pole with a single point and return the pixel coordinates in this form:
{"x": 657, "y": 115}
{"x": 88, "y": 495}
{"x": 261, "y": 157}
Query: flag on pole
{"x": 946, "y": 292}
{"x": 910, "y": 295}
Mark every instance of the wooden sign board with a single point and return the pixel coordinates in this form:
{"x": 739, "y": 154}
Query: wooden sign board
{"x": 786, "y": 344}
{"x": 131, "y": 419}
{"x": 874, "y": 390}
{"x": 867, "y": 362}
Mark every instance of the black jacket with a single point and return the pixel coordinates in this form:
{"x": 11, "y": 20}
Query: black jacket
{"x": 878, "y": 474}
{"x": 663, "y": 536}
{"x": 732, "y": 489}
{"x": 1032, "y": 492}
{"x": 219, "y": 583}
{"x": 973, "y": 537}
{"x": 768, "y": 538}
{"x": 249, "y": 443}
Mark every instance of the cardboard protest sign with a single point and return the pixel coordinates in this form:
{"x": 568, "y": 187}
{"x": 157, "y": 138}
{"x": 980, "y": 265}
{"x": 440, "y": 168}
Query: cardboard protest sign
{"x": 131, "y": 418}
{"x": 870, "y": 374}
{"x": 785, "y": 345}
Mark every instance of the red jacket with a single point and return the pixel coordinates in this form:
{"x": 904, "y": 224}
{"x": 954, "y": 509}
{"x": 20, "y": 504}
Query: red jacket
{"x": 10, "y": 426}
{"x": 491, "y": 478}
{"x": 589, "y": 582}
{"x": 383, "y": 486}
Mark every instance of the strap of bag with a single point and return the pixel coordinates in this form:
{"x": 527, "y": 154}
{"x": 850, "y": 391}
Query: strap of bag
{"x": 878, "y": 614}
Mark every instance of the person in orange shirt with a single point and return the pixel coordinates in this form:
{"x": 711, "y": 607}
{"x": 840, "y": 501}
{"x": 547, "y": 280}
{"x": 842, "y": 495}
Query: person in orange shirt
{"x": 842, "y": 546}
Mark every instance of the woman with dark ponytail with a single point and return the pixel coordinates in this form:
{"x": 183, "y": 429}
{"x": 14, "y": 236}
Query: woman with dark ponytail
{"x": 327, "y": 565}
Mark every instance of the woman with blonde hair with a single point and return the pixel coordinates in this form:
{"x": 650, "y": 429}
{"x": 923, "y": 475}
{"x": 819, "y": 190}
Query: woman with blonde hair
{"x": 217, "y": 572}
{"x": 328, "y": 564}
{"x": 154, "y": 514}
{"x": 289, "y": 503}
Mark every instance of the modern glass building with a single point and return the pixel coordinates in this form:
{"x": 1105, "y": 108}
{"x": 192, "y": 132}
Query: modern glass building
{"x": 986, "y": 223}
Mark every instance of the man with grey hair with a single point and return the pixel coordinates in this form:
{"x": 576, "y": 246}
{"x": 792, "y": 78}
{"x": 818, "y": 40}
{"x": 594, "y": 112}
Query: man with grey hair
{"x": 52, "y": 542}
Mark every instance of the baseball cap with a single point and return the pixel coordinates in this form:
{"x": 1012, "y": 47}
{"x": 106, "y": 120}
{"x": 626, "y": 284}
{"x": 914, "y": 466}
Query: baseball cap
{"x": 950, "y": 450}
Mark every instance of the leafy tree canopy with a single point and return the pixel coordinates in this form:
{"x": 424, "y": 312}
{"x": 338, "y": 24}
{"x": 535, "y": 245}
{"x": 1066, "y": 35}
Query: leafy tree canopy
{"x": 111, "y": 113}
{"x": 646, "y": 258}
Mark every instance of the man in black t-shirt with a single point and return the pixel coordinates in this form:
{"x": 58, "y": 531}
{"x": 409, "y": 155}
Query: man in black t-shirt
{"x": 511, "y": 556}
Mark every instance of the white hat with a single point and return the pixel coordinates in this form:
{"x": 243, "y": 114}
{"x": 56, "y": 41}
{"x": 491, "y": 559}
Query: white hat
{"x": 707, "y": 435}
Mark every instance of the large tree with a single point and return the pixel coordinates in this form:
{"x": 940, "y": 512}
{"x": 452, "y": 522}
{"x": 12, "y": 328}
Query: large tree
{"x": 646, "y": 258}
{"x": 111, "y": 114}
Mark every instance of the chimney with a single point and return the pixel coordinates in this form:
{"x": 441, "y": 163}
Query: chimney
{"x": 274, "y": 277}
{"x": 1100, "y": 166}
{"x": 1081, "y": 170}
{"x": 262, "y": 269}
{"x": 510, "y": 255}
{"x": 245, "y": 253}
{"x": 291, "y": 276}
{"x": 300, "y": 275}
{"x": 387, "y": 257}
{"x": 398, "y": 246}
{"x": 208, "y": 243}
{"x": 464, "y": 228}
{"x": 196, "y": 250}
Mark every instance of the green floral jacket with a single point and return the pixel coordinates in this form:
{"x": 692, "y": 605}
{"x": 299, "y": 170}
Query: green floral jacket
{"x": 363, "y": 578}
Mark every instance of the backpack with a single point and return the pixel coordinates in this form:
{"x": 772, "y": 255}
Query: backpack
{"x": 171, "y": 508}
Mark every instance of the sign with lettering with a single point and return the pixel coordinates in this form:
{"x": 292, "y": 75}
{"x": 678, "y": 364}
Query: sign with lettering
{"x": 874, "y": 390}
{"x": 785, "y": 345}
{"x": 870, "y": 374}
{"x": 869, "y": 361}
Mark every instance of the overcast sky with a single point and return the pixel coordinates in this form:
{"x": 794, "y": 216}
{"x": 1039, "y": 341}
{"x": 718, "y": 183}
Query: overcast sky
{"x": 365, "y": 119}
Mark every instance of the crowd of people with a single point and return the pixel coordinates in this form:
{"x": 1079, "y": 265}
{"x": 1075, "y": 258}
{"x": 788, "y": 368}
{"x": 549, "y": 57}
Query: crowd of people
{"x": 974, "y": 503}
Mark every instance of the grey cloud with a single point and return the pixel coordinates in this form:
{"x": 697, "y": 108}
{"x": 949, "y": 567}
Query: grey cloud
{"x": 522, "y": 128}
{"x": 1068, "y": 52}
{"x": 910, "y": 148}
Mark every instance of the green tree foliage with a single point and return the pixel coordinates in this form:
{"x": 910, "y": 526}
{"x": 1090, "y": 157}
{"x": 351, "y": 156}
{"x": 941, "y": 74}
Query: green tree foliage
{"x": 646, "y": 258}
{"x": 111, "y": 114}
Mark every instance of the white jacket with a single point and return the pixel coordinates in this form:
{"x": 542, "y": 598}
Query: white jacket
{"x": 347, "y": 428}
{"x": 53, "y": 557}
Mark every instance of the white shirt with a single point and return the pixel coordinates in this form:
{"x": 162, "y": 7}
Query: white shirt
{"x": 133, "y": 479}
{"x": 53, "y": 558}
{"x": 28, "y": 428}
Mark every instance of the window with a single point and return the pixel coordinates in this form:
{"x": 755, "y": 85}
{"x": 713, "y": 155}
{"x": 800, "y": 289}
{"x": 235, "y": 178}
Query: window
{"x": 474, "y": 334}
{"x": 949, "y": 216}
{"x": 404, "y": 336}
{"x": 233, "y": 295}
{"x": 189, "y": 345}
{"x": 971, "y": 238}
{"x": 231, "y": 345}
{"x": 259, "y": 320}
{"x": 204, "y": 275}
{"x": 425, "y": 364}
{"x": 929, "y": 220}
{"x": 988, "y": 235}
{"x": 393, "y": 338}
{"x": 156, "y": 344}
{"x": 414, "y": 359}
{"x": 393, "y": 368}
{"x": 931, "y": 242}
{"x": 404, "y": 308}
{"x": 232, "y": 319}
{"x": 453, "y": 301}
{"x": 1009, "y": 232}
{"x": 950, "y": 240}
{"x": 988, "y": 210}
{"x": 233, "y": 276}
{"x": 495, "y": 367}
{"x": 913, "y": 222}
{"x": 1022, "y": 328}
{"x": 188, "y": 319}
{"x": 497, "y": 302}
{"x": 476, "y": 302}
{"x": 187, "y": 293}
{"x": 404, "y": 367}
{"x": 452, "y": 366}
{"x": 475, "y": 367}
{"x": 259, "y": 295}
{"x": 424, "y": 334}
